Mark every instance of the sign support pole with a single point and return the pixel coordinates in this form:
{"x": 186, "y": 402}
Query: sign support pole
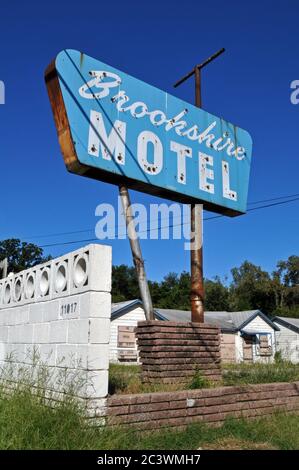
{"x": 197, "y": 279}
{"x": 137, "y": 254}
{"x": 3, "y": 268}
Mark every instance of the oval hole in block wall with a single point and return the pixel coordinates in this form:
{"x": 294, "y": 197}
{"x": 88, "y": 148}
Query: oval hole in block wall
{"x": 61, "y": 277}
{"x": 18, "y": 289}
{"x": 30, "y": 286}
{"x": 7, "y": 294}
{"x": 80, "y": 270}
{"x": 44, "y": 282}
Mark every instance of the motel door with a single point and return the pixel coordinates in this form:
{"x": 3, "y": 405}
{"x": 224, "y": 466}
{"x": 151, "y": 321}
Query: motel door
{"x": 248, "y": 349}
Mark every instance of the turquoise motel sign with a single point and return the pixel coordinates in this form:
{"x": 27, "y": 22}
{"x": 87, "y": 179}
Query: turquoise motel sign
{"x": 118, "y": 129}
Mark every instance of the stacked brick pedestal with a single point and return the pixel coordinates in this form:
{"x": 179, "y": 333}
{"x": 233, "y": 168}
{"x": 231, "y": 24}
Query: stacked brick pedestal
{"x": 172, "y": 352}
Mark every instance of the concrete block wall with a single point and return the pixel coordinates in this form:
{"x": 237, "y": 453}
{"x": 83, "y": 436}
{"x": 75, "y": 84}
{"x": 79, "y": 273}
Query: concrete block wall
{"x": 61, "y": 309}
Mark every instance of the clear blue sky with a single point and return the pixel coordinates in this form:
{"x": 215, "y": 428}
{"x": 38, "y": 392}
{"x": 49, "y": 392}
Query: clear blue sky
{"x": 158, "y": 42}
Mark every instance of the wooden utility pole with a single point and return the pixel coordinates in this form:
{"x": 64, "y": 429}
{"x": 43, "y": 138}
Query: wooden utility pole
{"x": 197, "y": 281}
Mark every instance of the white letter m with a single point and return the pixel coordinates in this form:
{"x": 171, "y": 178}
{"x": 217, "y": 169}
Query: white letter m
{"x": 114, "y": 144}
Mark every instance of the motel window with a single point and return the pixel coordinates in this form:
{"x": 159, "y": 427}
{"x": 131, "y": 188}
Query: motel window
{"x": 264, "y": 344}
{"x": 126, "y": 343}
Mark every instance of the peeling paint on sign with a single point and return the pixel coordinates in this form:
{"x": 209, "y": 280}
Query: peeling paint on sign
{"x": 118, "y": 129}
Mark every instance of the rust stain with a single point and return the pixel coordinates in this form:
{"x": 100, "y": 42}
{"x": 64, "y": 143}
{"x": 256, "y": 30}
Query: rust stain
{"x": 235, "y": 136}
{"x": 60, "y": 118}
{"x": 81, "y": 59}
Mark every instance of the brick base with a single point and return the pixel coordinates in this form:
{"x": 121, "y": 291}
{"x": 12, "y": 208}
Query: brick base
{"x": 172, "y": 352}
{"x": 212, "y": 406}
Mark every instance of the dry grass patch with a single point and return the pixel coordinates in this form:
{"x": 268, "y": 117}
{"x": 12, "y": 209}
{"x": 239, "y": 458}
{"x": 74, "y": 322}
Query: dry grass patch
{"x": 231, "y": 443}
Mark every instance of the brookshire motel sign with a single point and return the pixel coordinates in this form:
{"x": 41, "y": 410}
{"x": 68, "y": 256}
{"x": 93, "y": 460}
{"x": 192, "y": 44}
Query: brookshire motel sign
{"x": 115, "y": 128}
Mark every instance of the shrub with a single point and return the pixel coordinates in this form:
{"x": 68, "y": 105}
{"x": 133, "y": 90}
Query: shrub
{"x": 198, "y": 381}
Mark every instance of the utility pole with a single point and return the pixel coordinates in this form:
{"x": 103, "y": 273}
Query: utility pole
{"x": 197, "y": 284}
{"x": 137, "y": 254}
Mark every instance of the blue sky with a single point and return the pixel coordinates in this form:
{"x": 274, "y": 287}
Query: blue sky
{"x": 157, "y": 42}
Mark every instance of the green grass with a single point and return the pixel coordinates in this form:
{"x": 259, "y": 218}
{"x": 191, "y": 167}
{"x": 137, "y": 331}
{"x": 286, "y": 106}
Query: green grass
{"x": 280, "y": 371}
{"x": 123, "y": 377}
{"x": 126, "y": 378}
{"x": 26, "y": 423}
{"x": 279, "y": 431}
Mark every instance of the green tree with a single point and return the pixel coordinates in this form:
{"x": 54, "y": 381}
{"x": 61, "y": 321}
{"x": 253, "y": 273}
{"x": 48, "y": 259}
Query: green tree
{"x": 286, "y": 287}
{"x": 172, "y": 292}
{"x": 124, "y": 283}
{"x": 216, "y": 295}
{"x": 251, "y": 288}
{"x": 289, "y": 271}
{"x": 21, "y": 255}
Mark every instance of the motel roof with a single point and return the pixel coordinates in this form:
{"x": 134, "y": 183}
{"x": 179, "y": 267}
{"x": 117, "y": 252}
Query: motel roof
{"x": 291, "y": 323}
{"x": 226, "y": 321}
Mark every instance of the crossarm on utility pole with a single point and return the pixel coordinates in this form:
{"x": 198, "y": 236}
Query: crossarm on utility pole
{"x": 198, "y": 66}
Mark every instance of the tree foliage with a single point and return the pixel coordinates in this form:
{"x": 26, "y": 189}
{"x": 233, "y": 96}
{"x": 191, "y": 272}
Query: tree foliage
{"x": 124, "y": 283}
{"x": 217, "y": 297}
{"x": 250, "y": 288}
{"x": 21, "y": 255}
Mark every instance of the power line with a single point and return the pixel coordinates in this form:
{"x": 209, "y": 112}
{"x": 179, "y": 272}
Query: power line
{"x": 73, "y": 232}
{"x": 273, "y": 199}
{"x": 274, "y": 204}
{"x": 260, "y": 207}
{"x": 89, "y": 240}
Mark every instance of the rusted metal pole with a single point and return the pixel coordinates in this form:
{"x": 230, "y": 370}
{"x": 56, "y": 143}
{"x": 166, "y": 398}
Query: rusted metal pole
{"x": 136, "y": 253}
{"x": 197, "y": 281}
{"x": 199, "y": 66}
